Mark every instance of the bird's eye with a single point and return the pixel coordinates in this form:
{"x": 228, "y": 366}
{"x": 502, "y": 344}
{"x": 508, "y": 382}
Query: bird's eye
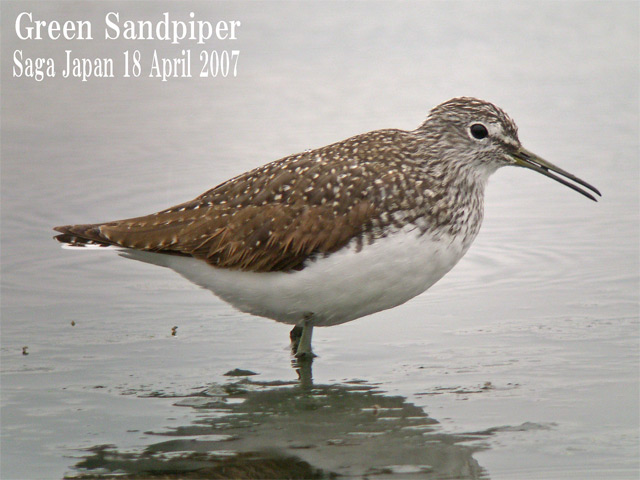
{"x": 479, "y": 131}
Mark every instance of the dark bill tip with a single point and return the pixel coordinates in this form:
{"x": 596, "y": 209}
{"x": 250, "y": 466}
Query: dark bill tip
{"x": 526, "y": 159}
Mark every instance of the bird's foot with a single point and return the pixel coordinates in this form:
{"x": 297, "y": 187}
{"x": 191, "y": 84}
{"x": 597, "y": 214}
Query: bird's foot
{"x": 300, "y": 353}
{"x": 300, "y": 337}
{"x": 304, "y": 356}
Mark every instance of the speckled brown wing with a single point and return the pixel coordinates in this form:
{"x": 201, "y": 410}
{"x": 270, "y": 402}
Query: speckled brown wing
{"x": 261, "y": 238}
{"x": 269, "y": 219}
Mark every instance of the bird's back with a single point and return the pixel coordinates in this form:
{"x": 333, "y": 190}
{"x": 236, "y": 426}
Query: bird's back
{"x": 276, "y": 217}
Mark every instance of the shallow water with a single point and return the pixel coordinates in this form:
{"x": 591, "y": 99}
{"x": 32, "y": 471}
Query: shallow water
{"x": 521, "y": 363}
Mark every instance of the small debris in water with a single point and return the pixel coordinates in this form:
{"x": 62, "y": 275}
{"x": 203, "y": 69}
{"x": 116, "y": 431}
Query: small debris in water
{"x": 73, "y": 323}
{"x": 174, "y": 331}
{"x": 24, "y": 351}
{"x": 238, "y": 372}
{"x": 302, "y": 446}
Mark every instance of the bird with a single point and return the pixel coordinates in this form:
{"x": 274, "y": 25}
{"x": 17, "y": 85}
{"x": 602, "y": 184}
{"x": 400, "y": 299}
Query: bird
{"x": 332, "y": 234}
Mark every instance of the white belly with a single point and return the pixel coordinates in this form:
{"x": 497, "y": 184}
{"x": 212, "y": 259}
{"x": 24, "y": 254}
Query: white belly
{"x": 341, "y": 287}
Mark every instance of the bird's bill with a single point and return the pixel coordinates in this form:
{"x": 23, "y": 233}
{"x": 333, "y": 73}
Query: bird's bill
{"x": 526, "y": 159}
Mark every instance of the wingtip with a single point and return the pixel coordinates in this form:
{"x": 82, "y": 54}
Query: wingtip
{"x": 77, "y": 235}
{"x": 67, "y": 238}
{"x": 64, "y": 235}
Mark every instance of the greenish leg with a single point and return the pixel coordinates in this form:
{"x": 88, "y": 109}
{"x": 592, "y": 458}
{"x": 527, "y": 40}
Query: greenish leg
{"x": 301, "y": 338}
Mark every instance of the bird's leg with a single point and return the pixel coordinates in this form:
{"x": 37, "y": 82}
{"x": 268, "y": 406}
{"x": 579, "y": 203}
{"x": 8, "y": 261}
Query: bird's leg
{"x": 301, "y": 349}
{"x": 294, "y": 335}
{"x": 304, "y": 346}
{"x": 301, "y": 338}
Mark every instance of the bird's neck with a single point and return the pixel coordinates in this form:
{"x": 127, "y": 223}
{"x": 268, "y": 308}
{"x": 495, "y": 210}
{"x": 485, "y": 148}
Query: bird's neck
{"x": 457, "y": 200}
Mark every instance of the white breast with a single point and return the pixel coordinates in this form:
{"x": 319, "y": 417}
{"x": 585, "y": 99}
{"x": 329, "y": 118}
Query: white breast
{"x": 338, "y": 288}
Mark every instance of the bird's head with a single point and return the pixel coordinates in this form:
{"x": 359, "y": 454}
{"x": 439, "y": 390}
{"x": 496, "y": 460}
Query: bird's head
{"x": 478, "y": 135}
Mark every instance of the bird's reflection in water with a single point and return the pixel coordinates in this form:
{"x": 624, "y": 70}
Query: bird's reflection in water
{"x": 250, "y": 429}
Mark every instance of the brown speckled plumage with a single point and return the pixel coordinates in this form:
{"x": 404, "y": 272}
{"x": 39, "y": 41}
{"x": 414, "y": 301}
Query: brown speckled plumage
{"x": 314, "y": 203}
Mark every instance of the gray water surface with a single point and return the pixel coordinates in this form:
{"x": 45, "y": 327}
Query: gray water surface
{"x": 521, "y": 363}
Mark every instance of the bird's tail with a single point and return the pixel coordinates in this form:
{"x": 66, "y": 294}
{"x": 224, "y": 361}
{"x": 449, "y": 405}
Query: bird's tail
{"x": 81, "y": 235}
